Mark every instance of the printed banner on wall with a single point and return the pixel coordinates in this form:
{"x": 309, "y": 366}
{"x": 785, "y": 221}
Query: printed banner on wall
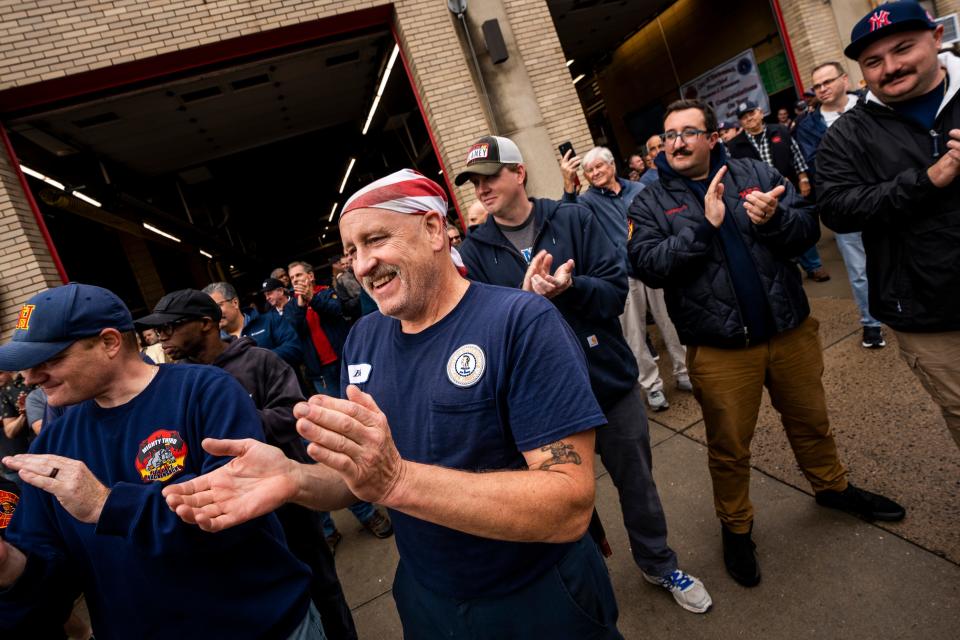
{"x": 727, "y": 85}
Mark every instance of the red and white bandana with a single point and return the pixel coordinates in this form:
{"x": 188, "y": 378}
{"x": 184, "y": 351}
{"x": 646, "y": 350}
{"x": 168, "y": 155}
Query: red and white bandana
{"x": 405, "y": 191}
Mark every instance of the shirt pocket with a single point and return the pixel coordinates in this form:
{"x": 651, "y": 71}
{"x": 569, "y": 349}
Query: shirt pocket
{"x": 466, "y": 435}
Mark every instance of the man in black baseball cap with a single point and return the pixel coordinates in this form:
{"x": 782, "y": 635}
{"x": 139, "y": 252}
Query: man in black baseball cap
{"x": 276, "y": 294}
{"x": 888, "y": 168}
{"x": 179, "y": 307}
{"x": 487, "y": 156}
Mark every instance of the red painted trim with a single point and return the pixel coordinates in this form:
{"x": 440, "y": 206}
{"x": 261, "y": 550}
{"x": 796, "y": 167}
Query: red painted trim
{"x": 124, "y": 75}
{"x": 785, "y": 37}
{"x": 426, "y": 123}
{"x": 33, "y": 205}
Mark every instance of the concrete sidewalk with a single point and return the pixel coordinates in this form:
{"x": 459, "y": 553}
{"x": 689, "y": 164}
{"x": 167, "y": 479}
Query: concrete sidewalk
{"x": 825, "y": 574}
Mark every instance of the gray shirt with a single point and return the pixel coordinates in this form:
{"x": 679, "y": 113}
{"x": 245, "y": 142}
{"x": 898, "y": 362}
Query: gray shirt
{"x": 521, "y": 236}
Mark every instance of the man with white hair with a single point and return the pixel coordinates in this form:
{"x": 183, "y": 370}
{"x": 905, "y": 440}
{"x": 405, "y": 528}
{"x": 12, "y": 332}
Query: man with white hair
{"x": 609, "y": 197}
{"x": 487, "y": 461}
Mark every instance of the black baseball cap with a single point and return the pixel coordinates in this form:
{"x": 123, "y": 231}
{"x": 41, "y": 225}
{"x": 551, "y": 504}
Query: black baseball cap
{"x": 487, "y": 156}
{"x": 271, "y": 284}
{"x": 180, "y": 305}
{"x": 887, "y": 19}
{"x": 746, "y": 107}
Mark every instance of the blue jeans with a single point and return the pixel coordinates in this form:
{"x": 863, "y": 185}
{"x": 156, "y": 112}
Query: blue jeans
{"x": 855, "y": 259}
{"x": 572, "y": 600}
{"x": 363, "y": 511}
{"x": 810, "y": 259}
{"x": 311, "y": 628}
{"x": 328, "y": 383}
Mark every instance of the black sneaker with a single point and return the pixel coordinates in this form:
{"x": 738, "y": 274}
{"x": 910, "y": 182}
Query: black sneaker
{"x": 873, "y": 338}
{"x": 862, "y": 503}
{"x": 333, "y": 540}
{"x": 379, "y": 525}
{"x": 740, "y": 557}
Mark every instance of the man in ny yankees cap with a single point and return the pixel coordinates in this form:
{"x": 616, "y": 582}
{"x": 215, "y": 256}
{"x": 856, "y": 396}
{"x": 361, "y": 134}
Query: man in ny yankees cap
{"x": 888, "y": 169}
{"x": 92, "y": 518}
{"x": 467, "y": 413}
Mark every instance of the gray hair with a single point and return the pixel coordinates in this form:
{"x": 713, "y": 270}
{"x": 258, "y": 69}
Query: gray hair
{"x": 598, "y": 153}
{"x": 225, "y": 289}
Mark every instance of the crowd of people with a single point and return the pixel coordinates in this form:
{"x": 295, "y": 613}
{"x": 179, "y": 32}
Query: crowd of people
{"x": 462, "y": 380}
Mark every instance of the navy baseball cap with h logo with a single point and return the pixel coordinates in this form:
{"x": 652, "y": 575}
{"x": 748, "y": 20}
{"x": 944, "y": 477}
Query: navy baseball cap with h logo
{"x": 52, "y": 320}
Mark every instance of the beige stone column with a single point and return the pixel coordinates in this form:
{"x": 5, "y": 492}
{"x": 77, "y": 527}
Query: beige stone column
{"x": 533, "y": 99}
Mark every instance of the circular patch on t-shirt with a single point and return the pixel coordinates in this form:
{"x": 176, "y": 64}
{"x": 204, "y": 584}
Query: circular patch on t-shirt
{"x": 465, "y": 367}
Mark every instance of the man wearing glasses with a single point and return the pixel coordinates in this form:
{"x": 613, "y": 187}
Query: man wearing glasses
{"x": 718, "y": 235}
{"x": 92, "y": 518}
{"x": 268, "y": 330}
{"x": 831, "y": 84}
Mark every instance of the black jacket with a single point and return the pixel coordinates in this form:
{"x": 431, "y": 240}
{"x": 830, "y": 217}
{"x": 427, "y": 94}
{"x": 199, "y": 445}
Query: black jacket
{"x": 872, "y": 177}
{"x": 674, "y": 247}
{"x": 591, "y": 306}
{"x": 780, "y": 140}
{"x": 274, "y": 389}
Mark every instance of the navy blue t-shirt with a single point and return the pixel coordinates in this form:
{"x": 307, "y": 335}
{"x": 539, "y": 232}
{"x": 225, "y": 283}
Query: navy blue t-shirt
{"x": 499, "y": 375}
{"x": 923, "y": 109}
{"x": 145, "y": 572}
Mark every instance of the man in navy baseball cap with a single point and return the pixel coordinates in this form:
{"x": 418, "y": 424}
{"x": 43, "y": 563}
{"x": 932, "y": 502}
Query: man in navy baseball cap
{"x": 885, "y": 20}
{"x": 52, "y": 320}
{"x": 890, "y": 168}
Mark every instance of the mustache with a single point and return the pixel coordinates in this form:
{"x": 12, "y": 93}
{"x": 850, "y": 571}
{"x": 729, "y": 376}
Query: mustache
{"x": 682, "y": 152}
{"x": 381, "y": 271}
{"x": 896, "y": 75}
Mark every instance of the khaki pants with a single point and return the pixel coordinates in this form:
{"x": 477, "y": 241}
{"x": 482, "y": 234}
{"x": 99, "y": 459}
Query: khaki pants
{"x": 728, "y": 384}
{"x": 935, "y": 359}
{"x": 640, "y": 297}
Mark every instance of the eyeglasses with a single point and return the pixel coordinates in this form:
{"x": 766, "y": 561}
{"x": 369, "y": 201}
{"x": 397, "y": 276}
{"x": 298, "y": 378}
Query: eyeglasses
{"x": 825, "y": 83}
{"x": 223, "y": 302}
{"x": 688, "y": 135}
{"x": 168, "y": 328}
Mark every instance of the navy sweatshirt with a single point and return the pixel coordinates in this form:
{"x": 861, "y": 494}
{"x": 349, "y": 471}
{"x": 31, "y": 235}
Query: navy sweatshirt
{"x": 591, "y": 306}
{"x": 146, "y": 573}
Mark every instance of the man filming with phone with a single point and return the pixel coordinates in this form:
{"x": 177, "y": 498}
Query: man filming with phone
{"x": 561, "y": 251}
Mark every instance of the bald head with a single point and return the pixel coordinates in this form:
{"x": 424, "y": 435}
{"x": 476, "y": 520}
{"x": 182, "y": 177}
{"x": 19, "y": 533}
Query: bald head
{"x": 476, "y": 214}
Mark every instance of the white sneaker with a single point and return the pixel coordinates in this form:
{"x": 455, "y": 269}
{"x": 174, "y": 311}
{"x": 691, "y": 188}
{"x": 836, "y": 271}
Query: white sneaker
{"x": 684, "y": 384}
{"x": 658, "y": 401}
{"x": 687, "y": 590}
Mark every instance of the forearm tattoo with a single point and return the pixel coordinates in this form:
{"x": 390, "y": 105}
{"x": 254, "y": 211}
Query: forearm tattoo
{"x": 560, "y": 453}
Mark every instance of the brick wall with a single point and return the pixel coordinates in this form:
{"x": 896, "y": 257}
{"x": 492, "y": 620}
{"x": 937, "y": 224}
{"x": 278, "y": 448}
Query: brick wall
{"x": 25, "y": 263}
{"x": 814, "y": 36}
{"x": 540, "y": 48}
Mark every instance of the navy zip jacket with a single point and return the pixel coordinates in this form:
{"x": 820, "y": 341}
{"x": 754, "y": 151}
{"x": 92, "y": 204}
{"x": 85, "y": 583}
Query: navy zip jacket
{"x": 674, "y": 247}
{"x": 611, "y": 208}
{"x": 271, "y": 332}
{"x": 327, "y": 305}
{"x": 594, "y": 302}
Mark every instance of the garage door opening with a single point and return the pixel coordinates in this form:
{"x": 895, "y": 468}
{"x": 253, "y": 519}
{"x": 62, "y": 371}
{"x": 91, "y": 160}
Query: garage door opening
{"x": 225, "y": 174}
